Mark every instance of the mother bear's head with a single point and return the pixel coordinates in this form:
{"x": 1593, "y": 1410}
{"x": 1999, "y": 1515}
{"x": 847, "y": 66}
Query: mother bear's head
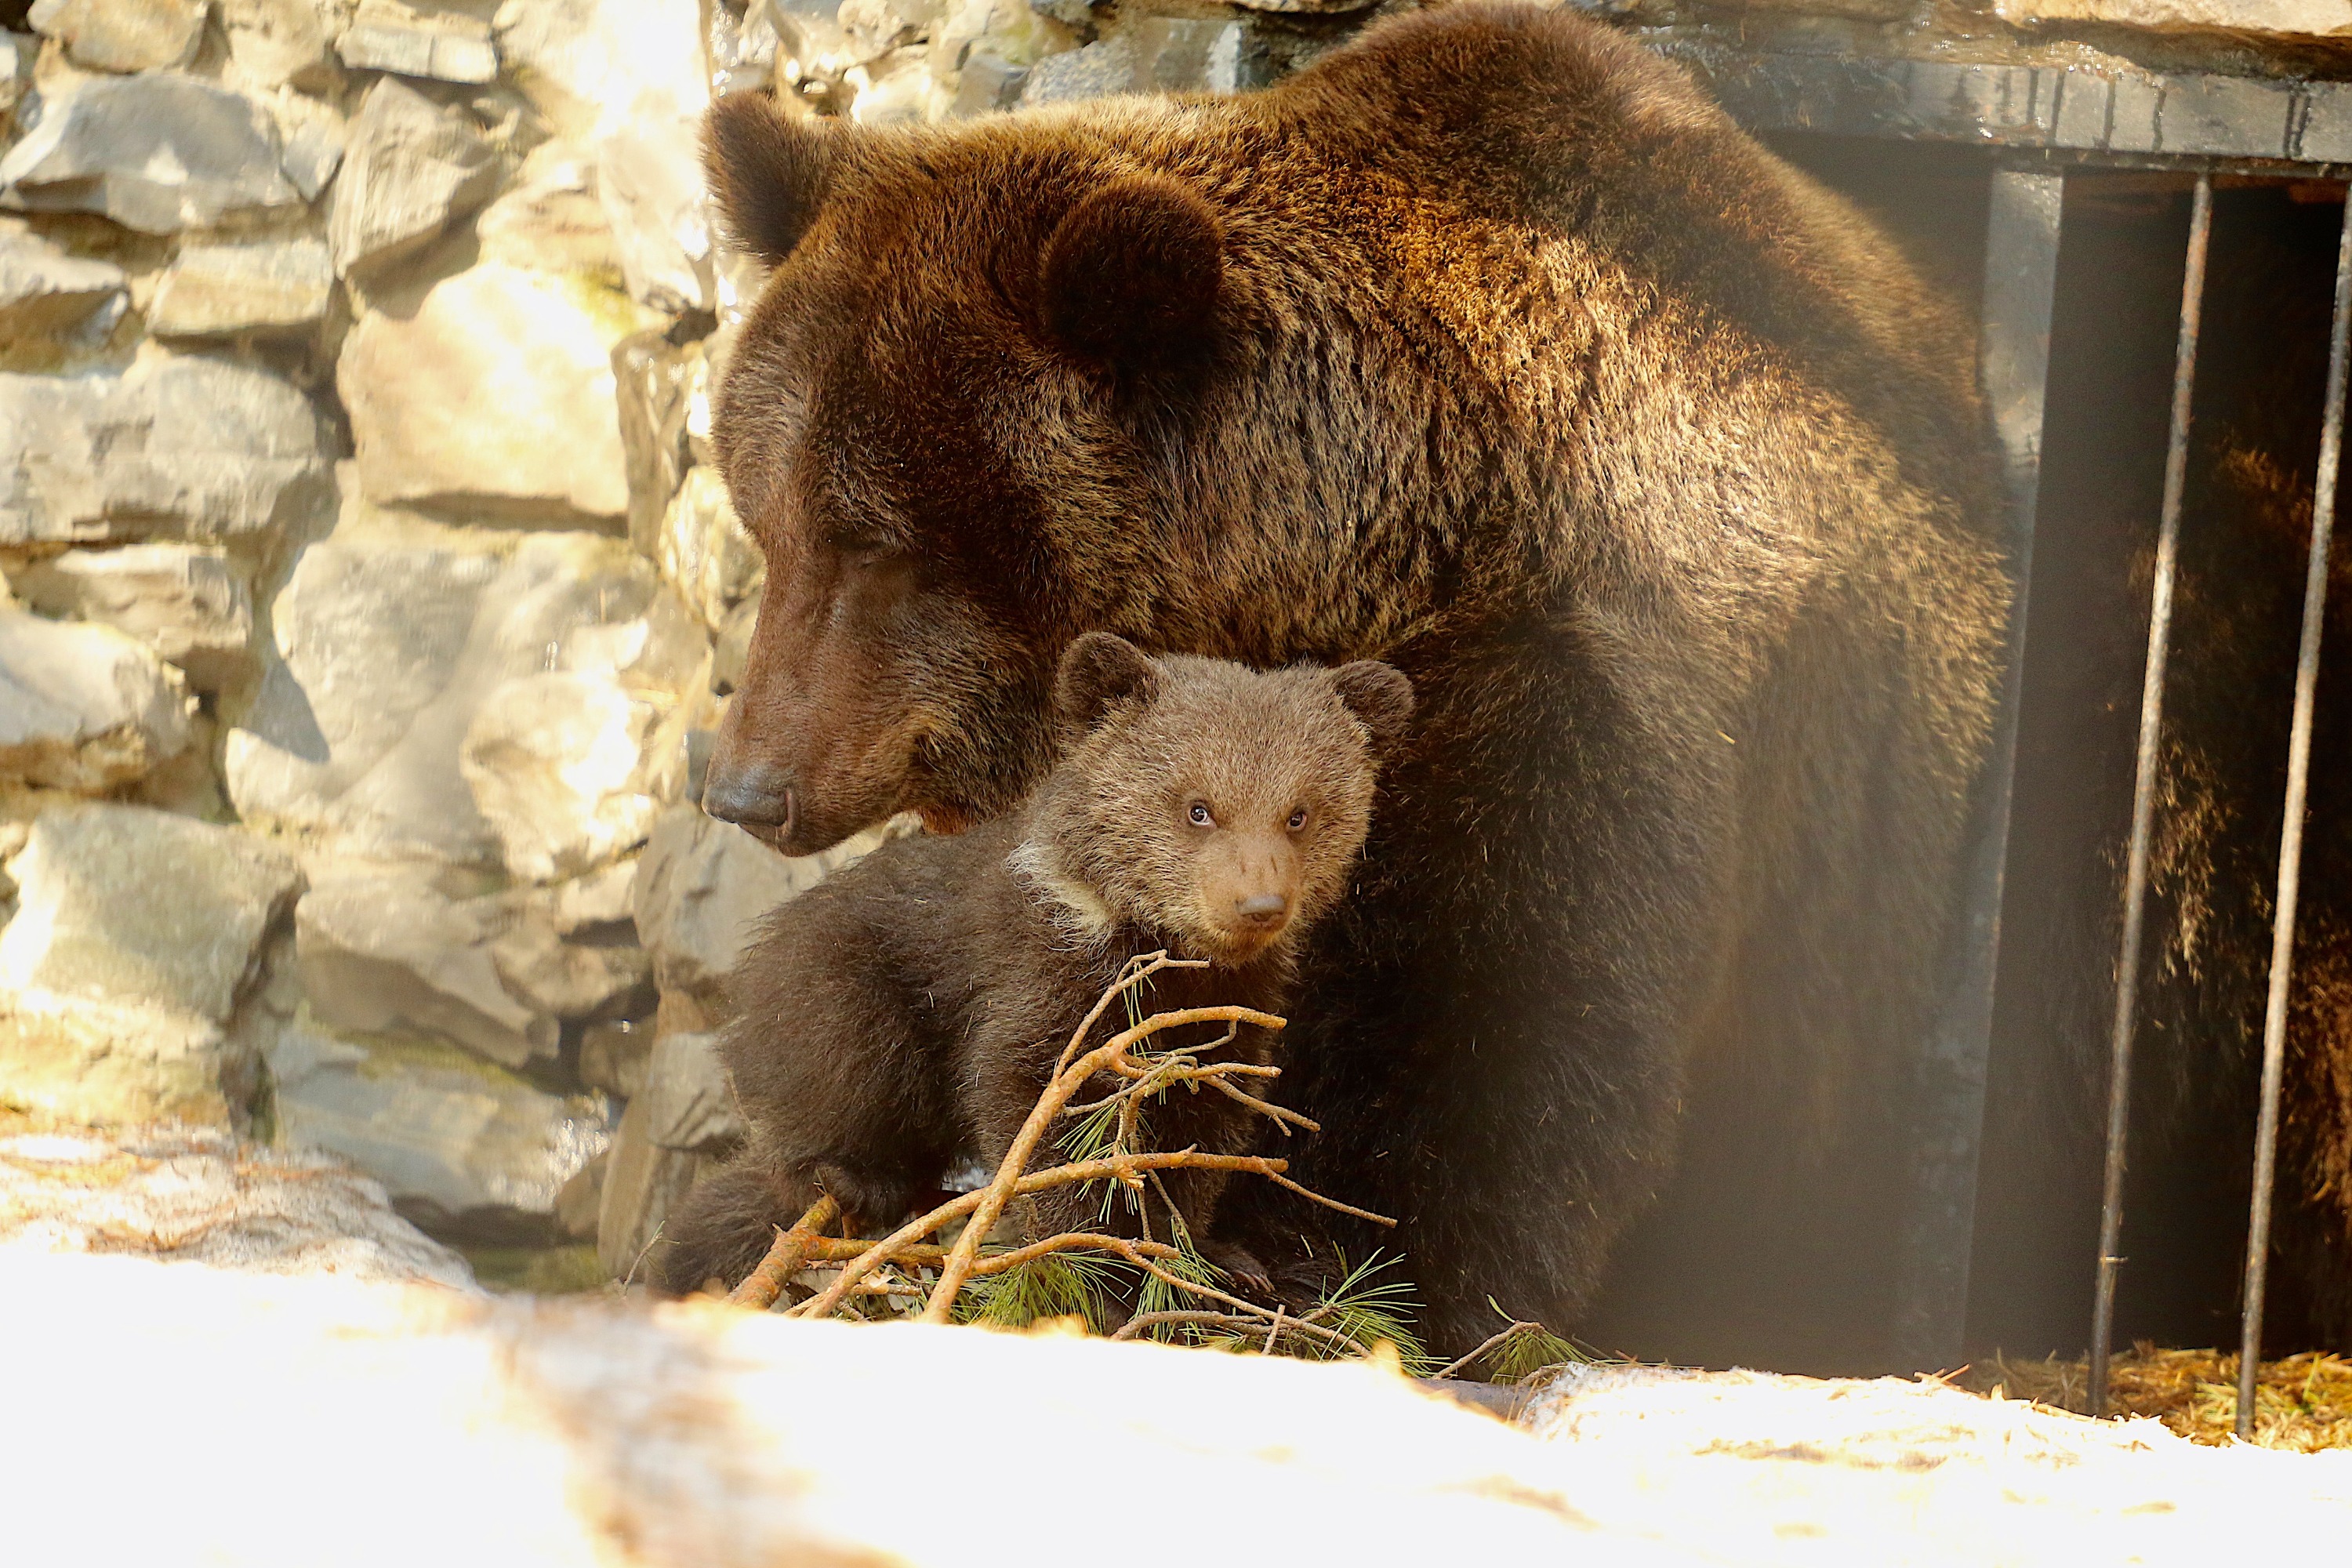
{"x": 950, "y": 423}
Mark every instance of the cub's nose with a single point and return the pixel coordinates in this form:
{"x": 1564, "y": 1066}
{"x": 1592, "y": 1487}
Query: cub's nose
{"x": 1263, "y": 909}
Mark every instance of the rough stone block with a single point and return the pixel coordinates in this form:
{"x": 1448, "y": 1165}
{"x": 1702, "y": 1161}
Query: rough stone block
{"x": 700, "y": 885}
{"x": 2329, "y": 19}
{"x": 409, "y": 169}
{"x": 689, "y": 1101}
{"x": 189, "y": 602}
{"x": 122, "y": 35}
{"x": 441, "y": 46}
{"x": 704, "y": 551}
{"x": 464, "y": 1148}
{"x": 129, "y": 973}
{"x": 83, "y": 707}
{"x": 279, "y": 43}
{"x": 653, "y": 380}
{"x": 125, "y": 904}
{"x": 649, "y": 179}
{"x": 549, "y": 219}
{"x": 197, "y": 1194}
{"x": 390, "y": 641}
{"x": 17, "y": 53}
{"x": 177, "y": 446}
{"x": 1155, "y": 54}
{"x": 383, "y": 950}
{"x": 613, "y": 1056}
{"x": 642, "y": 1183}
{"x": 593, "y": 66}
{"x": 495, "y": 395}
{"x": 157, "y": 153}
{"x": 571, "y": 980}
{"x": 47, "y": 293}
{"x": 267, "y": 286}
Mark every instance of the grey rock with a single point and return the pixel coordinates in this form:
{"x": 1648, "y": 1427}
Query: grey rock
{"x": 17, "y": 53}
{"x": 462, "y": 1147}
{"x": 191, "y": 1194}
{"x": 83, "y": 707}
{"x": 570, "y": 767}
{"x": 580, "y": 1200}
{"x": 690, "y": 1103}
{"x": 442, "y": 46}
{"x": 614, "y": 1055}
{"x": 157, "y": 153}
{"x": 701, "y": 883}
{"x": 1155, "y": 54}
{"x": 589, "y": 66}
{"x": 731, "y": 651}
{"x": 220, "y": 290}
{"x": 644, "y": 1183}
{"x": 313, "y": 153}
{"x": 189, "y": 602}
{"x": 547, "y": 449}
{"x": 653, "y": 380}
{"x": 649, "y": 179}
{"x": 131, "y": 975}
{"x": 704, "y": 550}
{"x": 122, "y": 35}
{"x": 47, "y": 293}
{"x": 410, "y": 168}
{"x": 125, "y": 904}
{"x": 571, "y": 980}
{"x": 989, "y": 82}
{"x": 549, "y": 219}
{"x": 391, "y": 643}
{"x": 382, "y": 949}
{"x": 278, "y": 43}
{"x": 596, "y": 902}
{"x": 177, "y": 446}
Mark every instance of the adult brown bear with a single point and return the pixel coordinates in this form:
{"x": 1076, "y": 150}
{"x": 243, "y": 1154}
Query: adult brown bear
{"x": 1487, "y": 347}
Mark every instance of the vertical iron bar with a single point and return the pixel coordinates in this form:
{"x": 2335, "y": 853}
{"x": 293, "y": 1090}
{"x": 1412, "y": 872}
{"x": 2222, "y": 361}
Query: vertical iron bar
{"x": 2152, "y": 734}
{"x": 2290, "y": 873}
{"x": 2013, "y": 362}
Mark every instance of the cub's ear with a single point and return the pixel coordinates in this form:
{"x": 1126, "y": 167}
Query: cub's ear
{"x": 1380, "y": 697}
{"x": 1100, "y": 669}
{"x": 1132, "y": 276}
{"x": 769, "y": 173}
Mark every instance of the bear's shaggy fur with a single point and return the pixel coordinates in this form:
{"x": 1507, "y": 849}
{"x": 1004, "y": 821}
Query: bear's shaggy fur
{"x": 1487, "y": 346}
{"x": 908, "y": 1012}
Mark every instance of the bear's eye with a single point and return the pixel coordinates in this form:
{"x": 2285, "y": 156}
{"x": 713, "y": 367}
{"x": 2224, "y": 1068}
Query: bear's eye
{"x": 1200, "y": 815}
{"x": 1298, "y": 819}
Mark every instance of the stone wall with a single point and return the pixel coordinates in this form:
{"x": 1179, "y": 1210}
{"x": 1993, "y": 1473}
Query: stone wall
{"x": 368, "y": 583}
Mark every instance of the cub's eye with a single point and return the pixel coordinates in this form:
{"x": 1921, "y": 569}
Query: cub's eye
{"x": 1298, "y": 819}
{"x": 1200, "y": 815}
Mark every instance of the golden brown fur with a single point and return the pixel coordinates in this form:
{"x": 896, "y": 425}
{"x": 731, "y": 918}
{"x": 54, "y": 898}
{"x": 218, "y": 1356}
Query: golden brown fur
{"x": 910, "y": 1010}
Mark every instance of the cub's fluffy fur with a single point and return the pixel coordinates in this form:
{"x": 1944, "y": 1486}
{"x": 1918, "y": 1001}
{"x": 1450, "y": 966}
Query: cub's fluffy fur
{"x": 908, "y": 1013}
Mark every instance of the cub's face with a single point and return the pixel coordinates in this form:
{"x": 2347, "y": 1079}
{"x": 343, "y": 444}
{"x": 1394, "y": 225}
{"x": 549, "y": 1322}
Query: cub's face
{"x": 930, "y": 376}
{"x": 1220, "y": 805}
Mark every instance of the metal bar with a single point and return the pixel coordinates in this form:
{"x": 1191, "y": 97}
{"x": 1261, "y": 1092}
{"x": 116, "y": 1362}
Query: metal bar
{"x": 2290, "y": 873}
{"x": 2151, "y": 735}
{"x": 2013, "y": 362}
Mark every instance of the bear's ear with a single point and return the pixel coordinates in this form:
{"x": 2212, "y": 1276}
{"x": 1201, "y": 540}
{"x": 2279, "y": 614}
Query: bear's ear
{"x": 769, "y": 173}
{"x": 1132, "y": 276}
{"x": 1100, "y": 669}
{"x": 1380, "y": 697}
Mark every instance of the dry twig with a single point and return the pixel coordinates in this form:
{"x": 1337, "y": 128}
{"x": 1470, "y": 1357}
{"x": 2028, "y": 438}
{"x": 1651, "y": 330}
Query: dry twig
{"x": 761, "y": 1288}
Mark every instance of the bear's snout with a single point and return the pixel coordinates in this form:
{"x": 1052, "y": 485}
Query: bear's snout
{"x": 753, "y": 794}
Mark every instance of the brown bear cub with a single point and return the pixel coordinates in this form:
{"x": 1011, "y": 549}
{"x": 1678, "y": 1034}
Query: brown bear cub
{"x": 903, "y": 1017}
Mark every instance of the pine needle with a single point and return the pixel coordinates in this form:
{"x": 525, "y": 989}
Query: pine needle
{"x": 1057, "y": 1285}
{"x": 1368, "y": 1311}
